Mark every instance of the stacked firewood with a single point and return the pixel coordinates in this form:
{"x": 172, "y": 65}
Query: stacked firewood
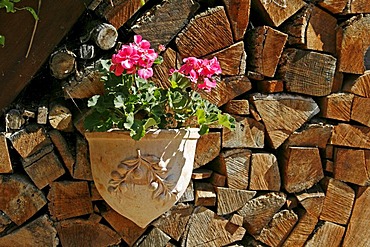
{"x": 295, "y": 172}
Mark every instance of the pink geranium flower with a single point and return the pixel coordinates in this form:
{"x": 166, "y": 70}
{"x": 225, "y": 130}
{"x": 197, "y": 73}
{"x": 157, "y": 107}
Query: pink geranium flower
{"x": 145, "y": 73}
{"x": 207, "y": 84}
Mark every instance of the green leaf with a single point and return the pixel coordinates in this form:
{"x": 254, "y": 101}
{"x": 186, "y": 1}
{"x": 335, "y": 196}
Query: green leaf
{"x": 9, "y": 6}
{"x": 203, "y": 129}
{"x": 158, "y": 60}
{"x": 32, "y": 11}
{"x": 119, "y": 102}
{"x": 129, "y": 121}
{"x": 93, "y": 100}
{"x": 201, "y": 116}
{"x": 150, "y": 123}
{"x": 2, "y": 40}
{"x": 226, "y": 120}
{"x": 137, "y": 130}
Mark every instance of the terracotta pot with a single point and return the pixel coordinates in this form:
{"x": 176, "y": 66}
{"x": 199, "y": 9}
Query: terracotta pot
{"x": 142, "y": 179}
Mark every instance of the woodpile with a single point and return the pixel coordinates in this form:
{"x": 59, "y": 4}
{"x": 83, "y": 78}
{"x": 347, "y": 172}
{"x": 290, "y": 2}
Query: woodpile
{"x": 295, "y": 172}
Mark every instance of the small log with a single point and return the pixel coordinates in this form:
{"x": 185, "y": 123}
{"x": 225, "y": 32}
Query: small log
{"x": 307, "y": 72}
{"x": 105, "y": 36}
{"x": 337, "y": 106}
{"x": 155, "y": 236}
{"x": 230, "y": 200}
{"x": 358, "y": 7}
{"x": 85, "y": 87}
{"x": 62, "y": 147}
{"x": 28, "y": 114}
{"x": 45, "y": 170}
{"x": 217, "y": 179}
{"x": 37, "y": 155}
{"x": 39, "y": 232}
{"x": 161, "y": 23}
{"x": 329, "y": 166}
{"x": 265, "y": 46}
{"x": 351, "y": 136}
{"x": 328, "y": 234}
{"x": 310, "y": 168}
{"x": 62, "y": 63}
{"x": 20, "y": 194}
{"x": 236, "y": 219}
{"x": 334, "y": 6}
{"x": 265, "y": 173}
{"x": 312, "y": 200}
{"x": 337, "y": 82}
{"x": 61, "y": 195}
{"x": 14, "y": 120}
{"x": 82, "y": 169}
{"x": 171, "y": 59}
{"x": 339, "y": 199}
{"x": 60, "y": 118}
{"x": 86, "y": 51}
{"x": 5, "y": 222}
{"x": 95, "y": 196}
{"x": 42, "y": 115}
{"x": 359, "y": 86}
{"x": 201, "y": 173}
{"x": 279, "y": 228}
{"x": 329, "y": 151}
{"x": 238, "y": 12}
{"x": 236, "y": 163}
{"x": 79, "y": 232}
{"x": 283, "y": 113}
{"x": 208, "y": 148}
{"x": 188, "y": 195}
{"x": 126, "y": 229}
{"x": 205, "y": 194}
{"x": 237, "y": 107}
{"x": 259, "y": 211}
{"x": 5, "y": 162}
{"x": 351, "y": 165}
{"x": 248, "y": 133}
{"x": 352, "y": 44}
{"x": 270, "y": 86}
{"x": 358, "y": 226}
{"x": 214, "y": 234}
{"x": 276, "y": 12}
{"x": 360, "y": 110}
{"x": 94, "y": 217}
{"x": 255, "y": 76}
{"x": 227, "y": 89}
{"x": 256, "y": 116}
{"x": 175, "y": 220}
{"x": 206, "y": 33}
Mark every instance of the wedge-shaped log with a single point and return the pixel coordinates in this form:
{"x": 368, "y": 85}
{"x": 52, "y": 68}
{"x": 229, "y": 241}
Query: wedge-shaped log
{"x": 336, "y": 106}
{"x": 328, "y": 234}
{"x": 208, "y": 148}
{"x": 89, "y": 85}
{"x": 238, "y": 12}
{"x": 334, "y": 6}
{"x": 347, "y": 135}
{"x": 312, "y": 200}
{"x": 361, "y": 110}
{"x": 265, "y": 173}
{"x": 155, "y": 236}
{"x": 82, "y": 168}
{"x": 63, "y": 149}
{"x": 230, "y": 200}
{"x": 359, "y": 86}
{"x": 5, "y": 162}
{"x": 237, "y": 107}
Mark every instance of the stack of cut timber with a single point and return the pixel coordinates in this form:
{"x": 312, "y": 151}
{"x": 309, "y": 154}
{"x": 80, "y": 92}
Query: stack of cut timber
{"x": 295, "y": 172}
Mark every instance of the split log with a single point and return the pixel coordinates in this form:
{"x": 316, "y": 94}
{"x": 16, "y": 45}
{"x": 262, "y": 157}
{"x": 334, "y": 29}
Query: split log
{"x": 205, "y": 194}
{"x": 227, "y": 89}
{"x": 37, "y": 155}
{"x": 358, "y": 7}
{"x": 299, "y": 174}
{"x": 94, "y": 217}
{"x": 69, "y": 199}
{"x": 236, "y": 220}
{"x": 79, "y": 232}
{"x": 238, "y": 12}
{"x": 270, "y": 86}
{"x": 351, "y": 136}
{"x": 329, "y": 166}
{"x": 206, "y": 33}
{"x": 161, "y": 24}
{"x": 62, "y": 63}
{"x": 337, "y": 82}
{"x": 14, "y": 120}
{"x": 312, "y": 200}
{"x": 254, "y": 76}
{"x": 359, "y": 86}
{"x": 82, "y": 168}
{"x": 60, "y": 118}
{"x": 237, "y": 107}
{"x": 42, "y": 115}
{"x": 95, "y": 196}
{"x": 39, "y": 232}
{"x": 339, "y": 199}
{"x": 352, "y": 165}
{"x": 230, "y": 200}
{"x": 86, "y": 51}
{"x": 358, "y": 227}
{"x": 276, "y": 12}
{"x": 279, "y": 228}
{"x": 328, "y": 234}
{"x": 208, "y": 148}
{"x": 105, "y": 36}
{"x": 264, "y": 48}
{"x": 215, "y": 234}
{"x": 62, "y": 147}
{"x": 85, "y": 87}
{"x": 337, "y": 106}
{"x": 20, "y": 194}
{"x": 201, "y": 173}
{"x": 248, "y": 133}
{"x": 256, "y": 116}
{"x": 334, "y": 6}
{"x": 265, "y": 173}
{"x": 5, "y": 162}
{"x": 329, "y": 151}
{"x": 28, "y": 114}
{"x": 217, "y": 179}
{"x": 352, "y": 43}
{"x": 361, "y": 110}
{"x": 307, "y": 72}
{"x": 155, "y": 236}
{"x": 171, "y": 60}
{"x": 5, "y": 222}
{"x": 283, "y": 113}
{"x": 259, "y": 211}
{"x": 188, "y": 195}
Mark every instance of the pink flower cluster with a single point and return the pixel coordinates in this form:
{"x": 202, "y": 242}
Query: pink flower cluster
{"x": 134, "y": 57}
{"x": 200, "y": 71}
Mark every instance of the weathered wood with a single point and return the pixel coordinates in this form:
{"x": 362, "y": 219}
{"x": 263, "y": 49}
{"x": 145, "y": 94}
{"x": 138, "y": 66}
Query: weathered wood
{"x": 339, "y": 199}
{"x": 62, "y": 63}
{"x": 352, "y": 165}
{"x": 270, "y": 86}
{"x": 352, "y": 44}
{"x": 358, "y": 226}
{"x": 227, "y": 89}
{"x": 265, "y": 173}
{"x": 208, "y": 148}
{"x": 312, "y": 200}
{"x": 39, "y": 232}
{"x": 63, "y": 149}
{"x": 171, "y": 59}
{"x": 328, "y": 234}
{"x": 206, "y": 33}
{"x": 237, "y": 107}
{"x": 238, "y": 12}
{"x": 351, "y": 136}
{"x": 5, "y": 222}
{"x": 329, "y": 166}
{"x": 69, "y": 199}
{"x": 264, "y": 48}
{"x": 94, "y": 217}
{"x": 337, "y": 106}
{"x": 230, "y": 200}
{"x": 299, "y": 174}
{"x": 188, "y": 195}
{"x": 337, "y": 82}
{"x": 105, "y": 36}
{"x": 329, "y": 151}
{"x": 201, "y": 173}
{"x": 283, "y": 113}
{"x": 79, "y": 232}
{"x": 359, "y": 86}
{"x": 5, "y": 162}
{"x": 60, "y": 118}
{"x": 84, "y": 87}
{"x": 361, "y": 110}
{"x": 42, "y": 115}
{"x": 86, "y": 51}
{"x": 307, "y": 72}
{"x": 334, "y": 6}
{"x": 14, "y": 120}
{"x": 37, "y": 155}
{"x": 20, "y": 194}
{"x": 276, "y": 12}
{"x": 358, "y": 7}
{"x": 218, "y": 179}
{"x": 95, "y": 196}
{"x": 259, "y": 211}
{"x": 82, "y": 169}
{"x": 278, "y": 228}
{"x": 248, "y": 133}
{"x": 205, "y": 194}
{"x": 155, "y": 236}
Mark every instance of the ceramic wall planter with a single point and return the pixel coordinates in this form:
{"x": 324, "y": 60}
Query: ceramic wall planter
{"x": 142, "y": 179}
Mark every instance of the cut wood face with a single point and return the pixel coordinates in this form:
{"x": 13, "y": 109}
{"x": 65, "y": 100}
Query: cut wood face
{"x": 139, "y": 179}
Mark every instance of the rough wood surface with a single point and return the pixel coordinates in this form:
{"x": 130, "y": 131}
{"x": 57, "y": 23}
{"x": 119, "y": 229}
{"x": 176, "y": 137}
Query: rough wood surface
{"x": 264, "y": 173}
{"x": 264, "y": 48}
{"x": 201, "y": 173}
{"x": 208, "y": 148}
{"x": 361, "y": 110}
{"x": 188, "y": 194}
{"x": 85, "y": 87}
{"x": 337, "y": 106}
{"x": 14, "y": 120}
{"x": 328, "y": 234}
{"x": 351, "y": 136}
{"x": 359, "y": 86}
{"x": 5, "y": 222}
{"x": 283, "y": 113}
{"x": 82, "y": 168}
{"x": 312, "y": 200}
{"x": 161, "y": 71}
{"x": 104, "y": 36}
{"x": 205, "y": 194}
{"x": 238, "y": 12}
{"x": 358, "y": 7}
{"x": 42, "y": 114}
{"x": 155, "y": 236}
{"x": 63, "y": 149}
{"x": 218, "y": 179}
{"x": 270, "y": 86}
{"x": 307, "y": 72}
{"x": 299, "y": 174}
{"x": 5, "y": 162}
{"x": 206, "y": 33}
{"x": 237, "y": 107}
{"x": 62, "y": 63}
{"x": 60, "y": 118}
{"x": 334, "y": 6}
{"x": 230, "y": 200}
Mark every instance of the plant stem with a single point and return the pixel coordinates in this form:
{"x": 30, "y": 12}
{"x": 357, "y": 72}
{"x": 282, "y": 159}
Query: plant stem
{"x": 34, "y": 30}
